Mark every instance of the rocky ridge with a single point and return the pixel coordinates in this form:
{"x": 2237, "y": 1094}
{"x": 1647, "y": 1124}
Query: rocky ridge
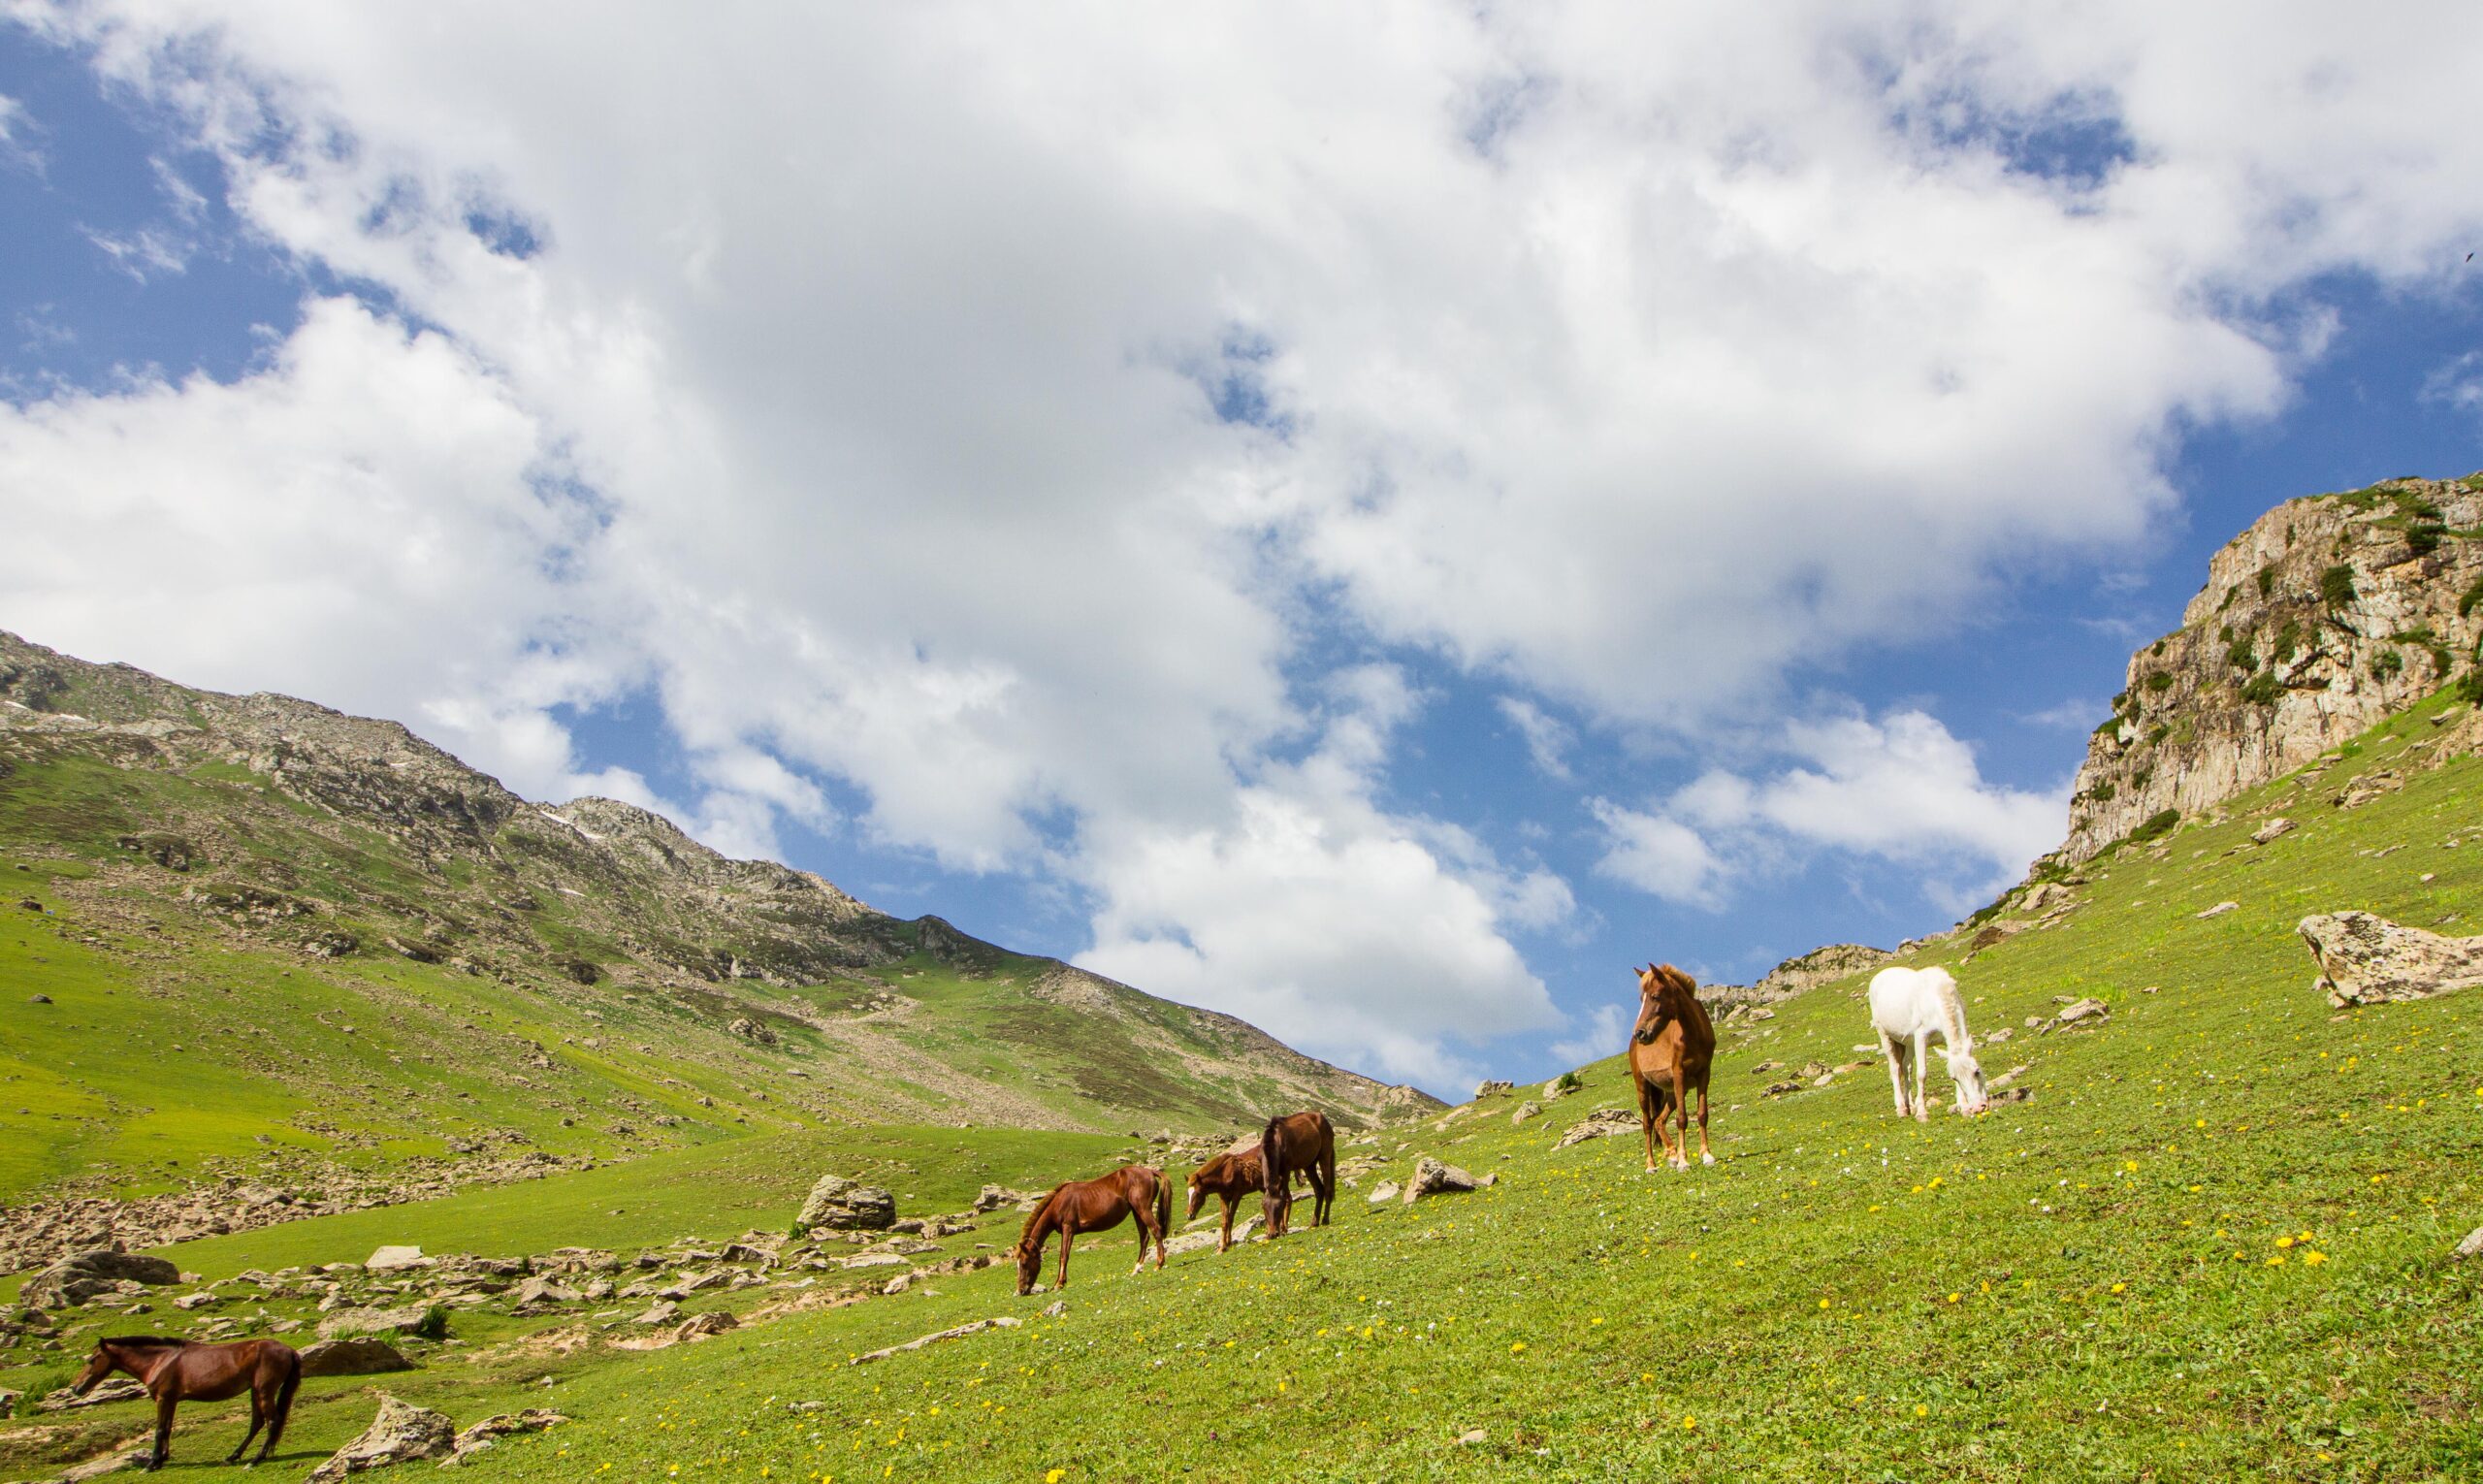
{"x": 2328, "y": 615}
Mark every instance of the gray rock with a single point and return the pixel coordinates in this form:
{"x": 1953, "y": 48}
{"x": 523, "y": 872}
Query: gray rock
{"x": 2275, "y": 828}
{"x": 88, "y": 1275}
{"x": 544, "y": 1293}
{"x": 1598, "y": 1124}
{"x": 491, "y": 1430}
{"x": 1562, "y": 1086}
{"x": 395, "y": 1260}
{"x": 371, "y": 1321}
{"x": 401, "y": 1433}
{"x": 2471, "y": 1247}
{"x": 840, "y": 1205}
{"x": 995, "y": 1197}
{"x": 1486, "y": 1088}
{"x": 700, "y": 1326}
{"x": 2218, "y": 909}
{"x": 358, "y": 1356}
{"x": 1529, "y": 1109}
{"x": 2365, "y": 959}
{"x": 1431, "y": 1177}
{"x": 1055, "y": 1309}
{"x": 2085, "y": 1011}
{"x": 118, "y": 1389}
{"x": 663, "y": 1312}
{"x": 1383, "y": 1192}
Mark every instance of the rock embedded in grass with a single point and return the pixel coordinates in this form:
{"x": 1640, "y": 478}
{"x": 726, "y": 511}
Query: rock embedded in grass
{"x": 2365, "y": 959}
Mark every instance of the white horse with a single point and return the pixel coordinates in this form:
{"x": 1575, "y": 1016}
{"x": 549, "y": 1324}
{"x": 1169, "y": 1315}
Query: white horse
{"x": 1908, "y": 1008}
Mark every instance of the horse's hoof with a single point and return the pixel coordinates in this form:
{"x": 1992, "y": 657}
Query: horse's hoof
{"x": 1706, "y": 1159}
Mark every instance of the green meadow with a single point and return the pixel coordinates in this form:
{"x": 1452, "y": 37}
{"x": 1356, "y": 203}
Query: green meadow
{"x": 2213, "y": 1241}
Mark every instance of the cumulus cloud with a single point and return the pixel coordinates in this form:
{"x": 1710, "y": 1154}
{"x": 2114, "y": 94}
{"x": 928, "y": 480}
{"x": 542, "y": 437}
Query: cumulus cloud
{"x": 973, "y": 413}
{"x": 1607, "y": 1032}
{"x": 1900, "y": 790}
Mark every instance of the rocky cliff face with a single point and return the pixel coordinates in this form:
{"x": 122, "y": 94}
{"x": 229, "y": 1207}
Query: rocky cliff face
{"x": 2325, "y": 616}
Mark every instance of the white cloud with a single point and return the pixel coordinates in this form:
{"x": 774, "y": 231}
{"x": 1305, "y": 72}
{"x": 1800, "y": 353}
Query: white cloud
{"x": 1548, "y": 739}
{"x": 1607, "y": 1031}
{"x": 1900, "y": 790}
{"x": 1634, "y": 356}
{"x": 1659, "y": 855}
{"x": 2074, "y": 714}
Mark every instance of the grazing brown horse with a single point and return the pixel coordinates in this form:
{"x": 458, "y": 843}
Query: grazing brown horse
{"x": 178, "y": 1371}
{"x": 1095, "y": 1205}
{"x": 1229, "y": 1176}
{"x": 1670, "y": 1051}
{"x": 1302, "y": 1144}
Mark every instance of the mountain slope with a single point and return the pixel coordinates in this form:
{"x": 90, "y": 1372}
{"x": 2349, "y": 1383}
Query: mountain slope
{"x": 265, "y": 925}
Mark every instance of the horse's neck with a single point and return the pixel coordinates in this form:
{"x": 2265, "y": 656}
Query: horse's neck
{"x": 143, "y": 1361}
{"x": 1953, "y": 1024}
{"x": 1039, "y": 1226}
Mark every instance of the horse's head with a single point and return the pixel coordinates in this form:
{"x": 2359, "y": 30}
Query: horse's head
{"x": 98, "y": 1366}
{"x": 1651, "y": 1005}
{"x": 1198, "y": 1190}
{"x": 1030, "y": 1263}
{"x": 1967, "y": 1073}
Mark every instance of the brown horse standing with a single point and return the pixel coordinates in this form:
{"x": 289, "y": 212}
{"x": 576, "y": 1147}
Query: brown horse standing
{"x": 1303, "y": 1143}
{"x": 1095, "y": 1205}
{"x": 1229, "y": 1176}
{"x": 178, "y": 1371}
{"x": 1670, "y": 1051}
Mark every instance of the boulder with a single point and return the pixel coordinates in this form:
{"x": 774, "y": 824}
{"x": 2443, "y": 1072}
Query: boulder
{"x": 2273, "y": 829}
{"x": 491, "y": 1430}
{"x": 1524, "y": 1111}
{"x": 2085, "y": 1011}
{"x": 395, "y": 1260}
{"x": 1431, "y": 1177}
{"x": 361, "y": 1355}
{"x": 995, "y": 1197}
{"x": 1486, "y": 1088}
{"x": 2218, "y": 909}
{"x": 2371, "y": 786}
{"x": 1562, "y": 1086}
{"x": 118, "y": 1389}
{"x": 1597, "y": 1124}
{"x": 544, "y": 1293}
{"x": 402, "y": 1433}
{"x": 2471, "y": 1247}
{"x": 700, "y": 1326}
{"x": 2365, "y": 959}
{"x": 752, "y": 1030}
{"x": 840, "y": 1205}
{"x": 371, "y": 1321}
{"x": 1380, "y": 1194}
{"x": 86, "y": 1275}
{"x": 663, "y": 1312}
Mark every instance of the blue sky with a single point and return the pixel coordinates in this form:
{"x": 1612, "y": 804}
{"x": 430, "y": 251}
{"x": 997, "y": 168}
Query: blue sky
{"x": 1375, "y": 530}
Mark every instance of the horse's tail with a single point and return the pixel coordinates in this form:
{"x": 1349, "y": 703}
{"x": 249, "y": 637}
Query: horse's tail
{"x": 1163, "y": 1212}
{"x": 283, "y": 1410}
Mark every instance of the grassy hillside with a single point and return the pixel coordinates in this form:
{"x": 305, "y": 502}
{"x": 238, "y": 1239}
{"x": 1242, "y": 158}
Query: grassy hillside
{"x": 269, "y": 932}
{"x": 2214, "y": 1241}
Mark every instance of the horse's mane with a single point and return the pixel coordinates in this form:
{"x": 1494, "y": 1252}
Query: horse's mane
{"x": 1027, "y": 1236}
{"x": 1952, "y": 1019}
{"x": 141, "y": 1339}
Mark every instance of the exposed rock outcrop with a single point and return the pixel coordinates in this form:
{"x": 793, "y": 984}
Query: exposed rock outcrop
{"x": 2327, "y": 616}
{"x": 77, "y": 1279}
{"x": 840, "y": 1205}
{"x": 2365, "y": 959}
{"x": 402, "y": 1433}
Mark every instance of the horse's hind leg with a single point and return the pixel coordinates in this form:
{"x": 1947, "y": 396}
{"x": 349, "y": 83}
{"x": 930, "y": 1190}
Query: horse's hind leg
{"x": 1705, "y": 1158}
{"x": 1894, "y": 1050}
{"x": 1067, "y": 1237}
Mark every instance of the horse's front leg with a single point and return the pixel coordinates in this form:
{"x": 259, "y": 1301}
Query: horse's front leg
{"x": 1224, "y": 1237}
{"x": 1066, "y": 1238}
{"x": 1705, "y": 1157}
{"x": 258, "y": 1413}
{"x": 163, "y": 1453}
{"x": 1922, "y": 1076}
{"x": 1681, "y": 1114}
{"x": 1646, "y": 1124}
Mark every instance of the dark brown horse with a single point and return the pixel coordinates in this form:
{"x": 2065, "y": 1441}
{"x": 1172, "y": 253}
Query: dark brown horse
{"x": 1671, "y": 1049}
{"x": 1096, "y": 1206}
{"x": 1230, "y": 1177}
{"x": 178, "y": 1371}
{"x": 1302, "y": 1144}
